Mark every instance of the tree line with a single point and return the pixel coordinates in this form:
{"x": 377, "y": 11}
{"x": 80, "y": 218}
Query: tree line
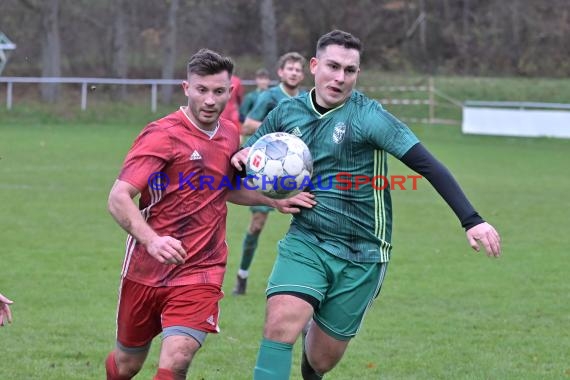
{"x": 153, "y": 39}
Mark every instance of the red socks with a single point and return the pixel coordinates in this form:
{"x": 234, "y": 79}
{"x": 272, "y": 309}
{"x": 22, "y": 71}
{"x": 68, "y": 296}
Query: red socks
{"x": 112, "y": 370}
{"x": 164, "y": 374}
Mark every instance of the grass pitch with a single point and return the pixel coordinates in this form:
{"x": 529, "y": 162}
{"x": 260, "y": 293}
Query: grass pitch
{"x": 444, "y": 311}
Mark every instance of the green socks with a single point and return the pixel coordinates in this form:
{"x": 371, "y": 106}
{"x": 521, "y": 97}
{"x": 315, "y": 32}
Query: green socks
{"x": 273, "y": 361}
{"x": 248, "y": 250}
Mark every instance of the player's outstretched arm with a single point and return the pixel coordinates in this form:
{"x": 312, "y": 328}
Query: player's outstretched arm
{"x": 292, "y": 205}
{"x": 5, "y": 312}
{"x": 165, "y": 249}
{"x": 478, "y": 231}
{"x": 246, "y": 197}
{"x": 485, "y": 234}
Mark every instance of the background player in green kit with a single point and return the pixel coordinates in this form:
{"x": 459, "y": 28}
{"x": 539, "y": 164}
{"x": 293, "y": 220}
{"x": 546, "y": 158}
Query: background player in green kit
{"x": 291, "y": 73}
{"x": 262, "y": 81}
{"x": 331, "y": 264}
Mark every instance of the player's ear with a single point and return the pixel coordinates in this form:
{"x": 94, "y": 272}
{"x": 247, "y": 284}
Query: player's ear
{"x": 185, "y": 87}
{"x": 313, "y": 65}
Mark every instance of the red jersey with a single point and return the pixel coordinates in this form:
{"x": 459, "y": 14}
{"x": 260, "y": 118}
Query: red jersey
{"x": 181, "y": 206}
{"x": 231, "y": 112}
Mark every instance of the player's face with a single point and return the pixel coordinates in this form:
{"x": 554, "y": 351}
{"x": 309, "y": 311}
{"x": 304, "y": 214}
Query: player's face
{"x": 335, "y": 69}
{"x": 291, "y": 74}
{"x": 262, "y": 82}
{"x": 207, "y": 98}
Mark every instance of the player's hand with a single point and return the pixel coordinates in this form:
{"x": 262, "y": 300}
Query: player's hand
{"x": 485, "y": 234}
{"x": 166, "y": 250}
{"x": 240, "y": 158}
{"x": 291, "y": 205}
{"x": 5, "y": 312}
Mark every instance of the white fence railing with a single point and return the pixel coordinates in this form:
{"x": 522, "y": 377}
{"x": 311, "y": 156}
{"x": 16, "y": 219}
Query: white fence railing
{"x": 86, "y": 83}
{"x": 428, "y": 92}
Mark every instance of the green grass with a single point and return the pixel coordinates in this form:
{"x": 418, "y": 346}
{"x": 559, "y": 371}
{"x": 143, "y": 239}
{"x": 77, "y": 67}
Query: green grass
{"x": 444, "y": 312}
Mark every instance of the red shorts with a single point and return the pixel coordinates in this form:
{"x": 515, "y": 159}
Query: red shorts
{"x": 144, "y": 311}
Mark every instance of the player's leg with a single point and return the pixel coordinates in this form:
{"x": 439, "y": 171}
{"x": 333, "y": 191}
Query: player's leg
{"x": 176, "y": 355}
{"x": 321, "y": 353}
{"x": 138, "y": 322}
{"x": 340, "y": 314}
{"x": 258, "y": 218}
{"x": 123, "y": 363}
{"x": 285, "y": 319}
{"x": 190, "y": 312}
{"x": 296, "y": 286}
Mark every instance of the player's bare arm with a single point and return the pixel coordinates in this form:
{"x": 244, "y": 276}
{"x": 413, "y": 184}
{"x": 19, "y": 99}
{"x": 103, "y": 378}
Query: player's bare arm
{"x": 291, "y": 205}
{"x": 250, "y": 126}
{"x": 485, "y": 234}
{"x": 165, "y": 249}
{"x": 240, "y": 158}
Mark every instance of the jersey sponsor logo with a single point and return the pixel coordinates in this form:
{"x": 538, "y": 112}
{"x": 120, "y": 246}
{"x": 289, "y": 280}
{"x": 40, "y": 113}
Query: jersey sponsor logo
{"x": 296, "y": 132}
{"x": 339, "y": 132}
{"x": 195, "y": 156}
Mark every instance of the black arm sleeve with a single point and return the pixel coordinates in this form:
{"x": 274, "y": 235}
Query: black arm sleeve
{"x": 421, "y": 161}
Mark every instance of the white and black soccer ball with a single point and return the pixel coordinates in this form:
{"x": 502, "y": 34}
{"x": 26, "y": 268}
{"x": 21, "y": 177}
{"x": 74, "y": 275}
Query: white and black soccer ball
{"x": 279, "y": 165}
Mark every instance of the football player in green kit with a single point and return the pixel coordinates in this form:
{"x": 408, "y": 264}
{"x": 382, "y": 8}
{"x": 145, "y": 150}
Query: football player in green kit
{"x": 291, "y": 73}
{"x": 331, "y": 263}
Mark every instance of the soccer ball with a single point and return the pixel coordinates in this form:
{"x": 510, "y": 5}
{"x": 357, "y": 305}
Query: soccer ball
{"x": 279, "y": 165}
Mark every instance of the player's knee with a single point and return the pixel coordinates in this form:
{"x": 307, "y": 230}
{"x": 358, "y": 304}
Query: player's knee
{"x": 282, "y": 331}
{"x": 177, "y": 357}
{"x": 322, "y": 367}
{"x": 180, "y": 362}
{"x": 257, "y": 223}
{"x": 128, "y": 367}
{"x": 323, "y": 362}
{"x": 255, "y": 228}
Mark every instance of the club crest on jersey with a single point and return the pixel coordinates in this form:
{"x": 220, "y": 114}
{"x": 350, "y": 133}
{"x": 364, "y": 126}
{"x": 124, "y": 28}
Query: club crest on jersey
{"x": 339, "y": 132}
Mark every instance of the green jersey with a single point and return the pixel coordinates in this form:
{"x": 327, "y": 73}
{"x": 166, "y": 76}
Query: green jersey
{"x": 266, "y": 101}
{"x": 248, "y": 102}
{"x": 348, "y": 144}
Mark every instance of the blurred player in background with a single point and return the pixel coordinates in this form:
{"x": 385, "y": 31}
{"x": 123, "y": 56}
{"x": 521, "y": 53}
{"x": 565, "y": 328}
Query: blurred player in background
{"x": 176, "y": 252}
{"x": 262, "y": 81}
{"x": 331, "y": 264}
{"x": 291, "y": 74}
{"x": 231, "y": 112}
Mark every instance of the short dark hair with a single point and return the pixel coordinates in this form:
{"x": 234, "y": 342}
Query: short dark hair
{"x": 292, "y": 56}
{"x": 208, "y": 62}
{"x": 339, "y": 37}
{"x": 262, "y": 73}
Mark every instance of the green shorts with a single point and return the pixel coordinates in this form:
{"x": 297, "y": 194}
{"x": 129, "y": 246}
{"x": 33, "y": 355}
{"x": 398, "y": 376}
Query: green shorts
{"x": 344, "y": 289}
{"x": 261, "y": 209}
